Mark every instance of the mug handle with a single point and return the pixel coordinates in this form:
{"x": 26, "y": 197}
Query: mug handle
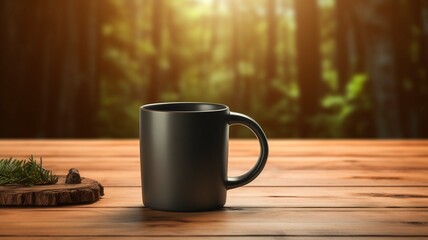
{"x": 238, "y": 118}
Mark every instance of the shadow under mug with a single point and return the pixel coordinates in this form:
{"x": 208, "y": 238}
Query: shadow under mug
{"x": 184, "y": 152}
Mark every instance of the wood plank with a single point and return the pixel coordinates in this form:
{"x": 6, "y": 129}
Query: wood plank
{"x": 213, "y": 237}
{"x": 374, "y": 164}
{"x": 245, "y": 143}
{"x": 289, "y": 171}
{"x": 228, "y": 222}
{"x": 357, "y": 193}
{"x": 292, "y": 197}
{"x": 277, "y": 178}
{"x": 130, "y": 148}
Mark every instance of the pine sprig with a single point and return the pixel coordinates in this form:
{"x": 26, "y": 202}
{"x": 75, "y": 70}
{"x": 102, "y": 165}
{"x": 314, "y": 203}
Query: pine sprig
{"x": 25, "y": 172}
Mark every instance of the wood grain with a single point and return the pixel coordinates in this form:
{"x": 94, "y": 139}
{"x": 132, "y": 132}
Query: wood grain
{"x": 293, "y": 197}
{"x": 227, "y": 222}
{"x": 278, "y": 148}
{"x": 44, "y": 237}
{"x": 291, "y": 171}
{"x": 316, "y": 189}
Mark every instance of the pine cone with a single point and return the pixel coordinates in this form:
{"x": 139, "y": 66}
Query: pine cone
{"x": 73, "y": 176}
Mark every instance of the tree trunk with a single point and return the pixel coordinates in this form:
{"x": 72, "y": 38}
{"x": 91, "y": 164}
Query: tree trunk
{"x": 154, "y": 80}
{"x": 422, "y": 94}
{"x": 214, "y": 23}
{"x": 288, "y": 59}
{"x": 273, "y": 94}
{"x": 88, "y": 58}
{"x": 381, "y": 65}
{"x": 308, "y": 64}
{"x": 51, "y": 66}
{"x": 349, "y": 42}
{"x": 404, "y": 16}
{"x": 9, "y": 12}
{"x": 174, "y": 57}
{"x": 19, "y": 90}
{"x": 235, "y": 57}
{"x": 343, "y": 30}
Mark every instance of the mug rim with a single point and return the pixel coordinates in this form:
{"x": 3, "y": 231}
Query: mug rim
{"x": 156, "y": 107}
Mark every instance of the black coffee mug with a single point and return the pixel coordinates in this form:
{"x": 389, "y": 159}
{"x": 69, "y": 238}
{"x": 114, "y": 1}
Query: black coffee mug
{"x": 184, "y": 151}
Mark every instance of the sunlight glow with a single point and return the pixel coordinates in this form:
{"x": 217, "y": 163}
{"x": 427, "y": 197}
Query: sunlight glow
{"x": 207, "y": 2}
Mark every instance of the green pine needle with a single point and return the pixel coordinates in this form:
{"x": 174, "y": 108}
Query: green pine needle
{"x": 28, "y": 173}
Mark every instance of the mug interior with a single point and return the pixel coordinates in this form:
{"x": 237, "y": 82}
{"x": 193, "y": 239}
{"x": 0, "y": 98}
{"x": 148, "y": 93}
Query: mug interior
{"x": 184, "y": 107}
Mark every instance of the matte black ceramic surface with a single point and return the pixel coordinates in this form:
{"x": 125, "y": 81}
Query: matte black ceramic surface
{"x": 184, "y": 150}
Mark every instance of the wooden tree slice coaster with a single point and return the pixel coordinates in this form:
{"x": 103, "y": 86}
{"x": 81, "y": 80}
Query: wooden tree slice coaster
{"x": 88, "y": 191}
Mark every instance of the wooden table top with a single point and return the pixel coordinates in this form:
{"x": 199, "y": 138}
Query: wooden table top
{"x": 308, "y": 190}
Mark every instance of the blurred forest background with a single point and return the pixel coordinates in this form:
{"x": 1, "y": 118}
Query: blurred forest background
{"x": 301, "y": 68}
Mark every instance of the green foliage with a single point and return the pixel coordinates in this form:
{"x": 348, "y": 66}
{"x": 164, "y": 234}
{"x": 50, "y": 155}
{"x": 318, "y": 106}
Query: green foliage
{"x": 215, "y": 51}
{"x": 356, "y": 86}
{"x": 343, "y": 111}
{"x": 203, "y": 47}
{"x": 28, "y": 173}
